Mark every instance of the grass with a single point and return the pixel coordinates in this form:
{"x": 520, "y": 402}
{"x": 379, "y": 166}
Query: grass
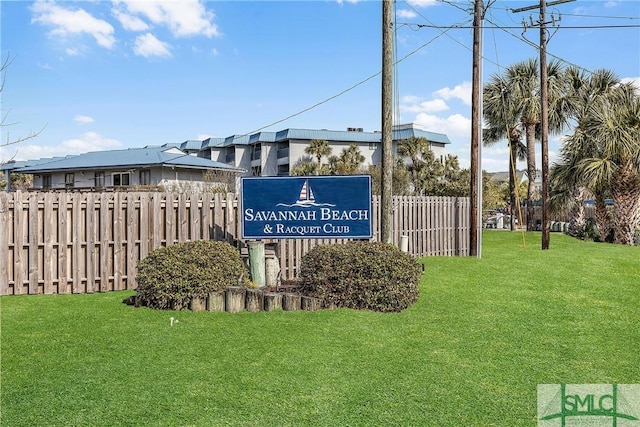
{"x": 470, "y": 352}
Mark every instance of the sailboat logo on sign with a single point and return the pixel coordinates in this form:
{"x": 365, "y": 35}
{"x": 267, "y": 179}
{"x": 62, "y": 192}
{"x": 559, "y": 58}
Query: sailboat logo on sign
{"x": 306, "y": 198}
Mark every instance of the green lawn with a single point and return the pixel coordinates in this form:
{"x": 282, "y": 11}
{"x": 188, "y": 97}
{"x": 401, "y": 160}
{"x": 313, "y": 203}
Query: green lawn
{"x": 470, "y": 352}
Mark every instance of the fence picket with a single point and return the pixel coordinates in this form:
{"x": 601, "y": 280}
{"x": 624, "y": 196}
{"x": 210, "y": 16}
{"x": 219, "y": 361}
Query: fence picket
{"x": 93, "y": 242}
{"x": 33, "y": 245}
{"x": 131, "y": 240}
{"x": 4, "y": 247}
{"x": 48, "y": 236}
{"x": 18, "y": 245}
{"x": 63, "y": 256}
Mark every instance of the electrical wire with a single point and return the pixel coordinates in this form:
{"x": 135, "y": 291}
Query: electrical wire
{"x": 395, "y": 109}
{"x": 445, "y": 31}
{"x": 345, "y": 90}
{"x": 567, "y": 27}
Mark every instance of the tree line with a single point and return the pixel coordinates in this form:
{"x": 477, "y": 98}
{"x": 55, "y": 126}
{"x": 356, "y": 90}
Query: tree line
{"x": 416, "y": 171}
{"x": 598, "y": 115}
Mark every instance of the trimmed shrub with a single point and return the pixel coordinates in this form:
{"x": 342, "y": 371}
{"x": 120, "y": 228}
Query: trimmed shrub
{"x": 171, "y": 277}
{"x": 361, "y": 275}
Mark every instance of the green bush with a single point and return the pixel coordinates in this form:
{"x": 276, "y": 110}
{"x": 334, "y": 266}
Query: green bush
{"x": 361, "y": 275}
{"x": 171, "y": 277}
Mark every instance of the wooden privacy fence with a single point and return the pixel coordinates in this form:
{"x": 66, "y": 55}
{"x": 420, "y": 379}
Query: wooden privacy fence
{"x": 91, "y": 242}
{"x": 565, "y": 216}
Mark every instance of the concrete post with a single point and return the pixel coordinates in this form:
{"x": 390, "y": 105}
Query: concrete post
{"x": 256, "y": 262}
{"x": 404, "y": 243}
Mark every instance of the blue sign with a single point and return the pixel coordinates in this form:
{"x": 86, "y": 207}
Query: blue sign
{"x": 306, "y": 207}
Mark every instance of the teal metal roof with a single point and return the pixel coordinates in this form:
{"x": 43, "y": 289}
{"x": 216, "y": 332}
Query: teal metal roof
{"x": 400, "y": 134}
{"x": 191, "y": 145}
{"x": 213, "y": 142}
{"x": 262, "y": 137}
{"x": 13, "y": 165}
{"x": 354, "y": 136}
{"x": 133, "y": 157}
{"x": 329, "y": 135}
{"x": 236, "y": 140}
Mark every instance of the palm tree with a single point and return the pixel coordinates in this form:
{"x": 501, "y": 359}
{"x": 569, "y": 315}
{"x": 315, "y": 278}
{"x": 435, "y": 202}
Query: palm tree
{"x": 305, "y": 167}
{"x": 349, "y": 161}
{"x": 579, "y": 170}
{"x": 523, "y": 77}
{"x": 605, "y": 149}
{"x": 512, "y": 108}
{"x": 416, "y": 148}
{"x": 400, "y": 175}
{"x": 455, "y": 181}
{"x": 318, "y": 148}
{"x": 501, "y": 113}
{"x": 430, "y": 175}
{"x": 568, "y": 193}
{"x": 613, "y": 124}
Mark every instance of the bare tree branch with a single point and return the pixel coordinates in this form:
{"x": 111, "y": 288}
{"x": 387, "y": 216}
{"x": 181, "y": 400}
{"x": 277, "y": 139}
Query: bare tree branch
{"x": 3, "y": 68}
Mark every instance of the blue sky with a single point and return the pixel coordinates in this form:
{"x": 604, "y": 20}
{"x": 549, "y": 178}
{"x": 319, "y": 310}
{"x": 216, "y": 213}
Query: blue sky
{"x": 97, "y": 75}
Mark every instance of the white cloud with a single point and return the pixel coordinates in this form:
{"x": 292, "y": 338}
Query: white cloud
{"x": 454, "y": 126}
{"x": 129, "y": 22}
{"x": 184, "y": 18}
{"x": 83, "y": 119}
{"x": 406, "y": 14}
{"x": 416, "y": 105}
{"x": 461, "y": 92}
{"x": 89, "y": 141}
{"x": 148, "y": 45}
{"x": 72, "y": 21}
{"x": 422, "y": 3}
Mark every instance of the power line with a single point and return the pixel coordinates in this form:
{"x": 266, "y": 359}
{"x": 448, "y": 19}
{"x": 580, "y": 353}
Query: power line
{"x": 345, "y": 90}
{"x": 316, "y": 104}
{"x": 571, "y": 27}
{"x": 578, "y": 15}
{"x": 633, "y": 18}
{"x": 446, "y": 30}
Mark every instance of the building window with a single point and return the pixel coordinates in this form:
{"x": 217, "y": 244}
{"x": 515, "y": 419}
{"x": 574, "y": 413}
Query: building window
{"x": 256, "y": 171}
{"x": 120, "y": 179}
{"x": 46, "y": 182}
{"x": 230, "y": 156}
{"x": 69, "y": 179}
{"x": 145, "y": 177}
{"x": 283, "y": 170}
{"x": 257, "y": 151}
{"x": 99, "y": 179}
{"x": 283, "y": 151}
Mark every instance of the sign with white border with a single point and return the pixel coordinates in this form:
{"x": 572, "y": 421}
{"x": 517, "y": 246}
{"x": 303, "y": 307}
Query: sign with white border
{"x": 306, "y": 207}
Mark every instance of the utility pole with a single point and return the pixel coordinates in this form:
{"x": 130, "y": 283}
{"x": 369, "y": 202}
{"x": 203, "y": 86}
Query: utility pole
{"x": 387, "y": 122}
{"x": 544, "y": 123}
{"x": 475, "y": 226}
{"x": 544, "y": 113}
